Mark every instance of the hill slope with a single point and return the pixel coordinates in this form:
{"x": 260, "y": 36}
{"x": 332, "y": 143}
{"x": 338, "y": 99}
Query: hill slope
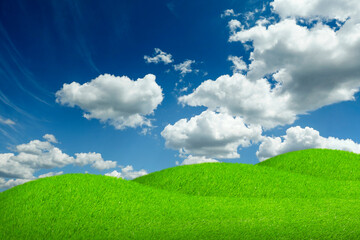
{"x": 273, "y": 179}
{"x": 84, "y": 206}
{"x": 324, "y": 163}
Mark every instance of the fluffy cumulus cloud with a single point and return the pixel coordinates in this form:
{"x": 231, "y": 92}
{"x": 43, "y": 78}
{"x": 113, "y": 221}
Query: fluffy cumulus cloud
{"x": 36, "y": 155}
{"x": 331, "y": 9}
{"x": 118, "y": 101}
{"x": 185, "y": 67}
{"x": 95, "y": 159}
{"x": 158, "y": 57}
{"x": 298, "y": 138}
{"x": 50, "y": 138}
{"x": 211, "y": 135}
{"x": 294, "y": 69}
{"x": 197, "y": 160}
{"x": 255, "y": 101}
{"x": 127, "y": 173}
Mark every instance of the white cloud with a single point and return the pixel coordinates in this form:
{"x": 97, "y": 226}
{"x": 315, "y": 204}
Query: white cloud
{"x": 238, "y": 64}
{"x": 298, "y": 138}
{"x": 185, "y": 67}
{"x": 254, "y": 101}
{"x": 315, "y": 66}
{"x": 118, "y": 101}
{"x": 229, "y": 13}
{"x": 10, "y": 168}
{"x": 37, "y": 155}
{"x": 127, "y": 173}
{"x": 6, "y": 121}
{"x": 234, "y": 25}
{"x": 197, "y": 160}
{"x": 158, "y": 57}
{"x": 294, "y": 69}
{"x": 50, "y": 138}
{"x": 15, "y": 182}
{"x": 12, "y": 182}
{"x": 210, "y": 134}
{"x": 95, "y": 159}
{"x": 50, "y": 174}
{"x": 331, "y": 9}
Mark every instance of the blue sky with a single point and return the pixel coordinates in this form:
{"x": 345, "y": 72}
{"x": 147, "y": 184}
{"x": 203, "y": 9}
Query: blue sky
{"x": 289, "y": 69}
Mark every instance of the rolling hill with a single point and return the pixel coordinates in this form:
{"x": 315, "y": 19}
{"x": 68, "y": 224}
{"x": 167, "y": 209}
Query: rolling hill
{"x": 269, "y": 200}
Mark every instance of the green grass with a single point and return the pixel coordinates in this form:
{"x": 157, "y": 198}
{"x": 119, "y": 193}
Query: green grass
{"x": 324, "y": 163}
{"x": 248, "y": 181}
{"x": 208, "y": 201}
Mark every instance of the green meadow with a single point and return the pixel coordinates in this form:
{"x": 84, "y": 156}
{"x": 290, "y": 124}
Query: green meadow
{"x": 308, "y": 194}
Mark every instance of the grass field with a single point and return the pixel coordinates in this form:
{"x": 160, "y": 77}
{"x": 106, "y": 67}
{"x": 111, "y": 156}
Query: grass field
{"x": 309, "y": 194}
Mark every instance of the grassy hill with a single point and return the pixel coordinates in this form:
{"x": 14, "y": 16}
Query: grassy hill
{"x": 244, "y": 180}
{"x": 324, "y": 163}
{"x": 206, "y": 201}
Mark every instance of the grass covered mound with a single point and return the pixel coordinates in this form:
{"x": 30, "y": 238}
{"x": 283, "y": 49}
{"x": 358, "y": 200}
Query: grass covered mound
{"x": 84, "y": 206}
{"x": 324, "y": 163}
{"x": 244, "y": 180}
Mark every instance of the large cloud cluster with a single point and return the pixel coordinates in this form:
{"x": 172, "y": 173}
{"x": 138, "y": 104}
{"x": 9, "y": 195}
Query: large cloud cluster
{"x": 305, "y": 60}
{"x": 117, "y": 100}
{"x": 310, "y": 68}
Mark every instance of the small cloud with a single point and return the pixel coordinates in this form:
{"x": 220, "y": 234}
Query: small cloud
{"x": 184, "y": 89}
{"x": 145, "y": 131}
{"x": 50, "y": 174}
{"x": 229, "y": 13}
{"x": 158, "y": 57}
{"x": 196, "y": 160}
{"x": 185, "y": 67}
{"x": 95, "y": 159}
{"x": 8, "y": 122}
{"x": 127, "y": 173}
{"x": 50, "y": 138}
{"x": 238, "y": 64}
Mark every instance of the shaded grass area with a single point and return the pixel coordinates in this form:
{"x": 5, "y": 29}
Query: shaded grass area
{"x": 244, "y": 180}
{"x": 84, "y": 206}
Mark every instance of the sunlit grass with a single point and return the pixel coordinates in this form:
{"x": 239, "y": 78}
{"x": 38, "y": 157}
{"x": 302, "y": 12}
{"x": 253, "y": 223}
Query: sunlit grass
{"x": 206, "y": 201}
